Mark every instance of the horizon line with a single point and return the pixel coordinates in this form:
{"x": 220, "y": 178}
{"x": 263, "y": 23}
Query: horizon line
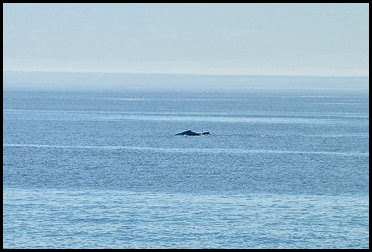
{"x": 180, "y": 73}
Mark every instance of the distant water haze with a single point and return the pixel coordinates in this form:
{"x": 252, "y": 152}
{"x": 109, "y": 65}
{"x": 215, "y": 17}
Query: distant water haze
{"x": 162, "y": 81}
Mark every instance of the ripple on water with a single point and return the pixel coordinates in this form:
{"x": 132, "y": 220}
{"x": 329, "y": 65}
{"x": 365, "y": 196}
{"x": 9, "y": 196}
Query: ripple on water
{"x": 121, "y": 219}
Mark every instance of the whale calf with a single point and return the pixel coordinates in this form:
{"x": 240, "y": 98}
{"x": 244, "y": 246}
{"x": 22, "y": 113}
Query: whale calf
{"x": 192, "y": 133}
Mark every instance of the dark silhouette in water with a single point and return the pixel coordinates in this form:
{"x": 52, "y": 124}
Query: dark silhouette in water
{"x": 192, "y": 133}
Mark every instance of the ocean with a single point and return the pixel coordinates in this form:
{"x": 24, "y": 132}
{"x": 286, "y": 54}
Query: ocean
{"x": 280, "y": 169}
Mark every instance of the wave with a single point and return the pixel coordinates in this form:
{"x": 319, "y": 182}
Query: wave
{"x": 212, "y": 117}
{"x": 287, "y": 114}
{"x": 189, "y": 150}
{"x": 174, "y": 118}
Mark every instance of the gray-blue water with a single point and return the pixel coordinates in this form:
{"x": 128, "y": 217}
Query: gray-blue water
{"x": 281, "y": 169}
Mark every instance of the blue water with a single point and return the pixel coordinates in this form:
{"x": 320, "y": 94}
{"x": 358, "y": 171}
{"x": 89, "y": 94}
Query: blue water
{"x": 281, "y": 169}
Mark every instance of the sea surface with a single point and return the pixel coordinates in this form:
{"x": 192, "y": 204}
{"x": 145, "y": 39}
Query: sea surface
{"x": 280, "y": 169}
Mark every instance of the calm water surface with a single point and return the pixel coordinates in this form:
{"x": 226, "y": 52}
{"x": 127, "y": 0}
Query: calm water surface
{"x": 281, "y": 169}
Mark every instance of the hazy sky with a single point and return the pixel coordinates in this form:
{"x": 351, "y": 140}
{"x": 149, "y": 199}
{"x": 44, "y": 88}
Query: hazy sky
{"x": 274, "y": 39}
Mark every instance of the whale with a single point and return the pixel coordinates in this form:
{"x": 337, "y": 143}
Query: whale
{"x": 192, "y": 133}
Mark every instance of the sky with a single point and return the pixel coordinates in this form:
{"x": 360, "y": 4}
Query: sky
{"x": 189, "y": 38}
